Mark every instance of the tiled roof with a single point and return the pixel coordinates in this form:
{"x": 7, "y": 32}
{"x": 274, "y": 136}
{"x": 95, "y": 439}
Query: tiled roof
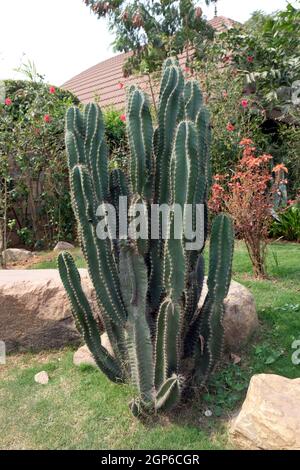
{"x": 102, "y": 80}
{"x": 221, "y": 23}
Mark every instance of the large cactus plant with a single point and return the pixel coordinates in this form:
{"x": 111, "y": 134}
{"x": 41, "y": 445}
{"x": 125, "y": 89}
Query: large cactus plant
{"x": 148, "y": 290}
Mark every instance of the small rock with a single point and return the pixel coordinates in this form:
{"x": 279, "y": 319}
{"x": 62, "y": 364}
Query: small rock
{"x": 41, "y": 378}
{"x": 15, "y": 255}
{"x": 83, "y": 356}
{"x": 270, "y": 416}
{"x": 61, "y": 246}
{"x": 208, "y": 413}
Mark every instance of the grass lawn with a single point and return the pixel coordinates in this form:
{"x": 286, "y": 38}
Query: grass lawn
{"x": 81, "y": 409}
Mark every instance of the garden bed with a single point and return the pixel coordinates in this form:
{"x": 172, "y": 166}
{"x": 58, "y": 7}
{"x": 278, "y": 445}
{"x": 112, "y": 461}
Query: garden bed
{"x": 81, "y": 409}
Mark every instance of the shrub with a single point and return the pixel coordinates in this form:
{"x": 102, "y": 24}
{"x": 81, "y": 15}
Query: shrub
{"x": 288, "y": 224}
{"x": 247, "y": 196}
{"x": 116, "y": 138}
{"x": 38, "y": 187}
{"x": 250, "y": 74}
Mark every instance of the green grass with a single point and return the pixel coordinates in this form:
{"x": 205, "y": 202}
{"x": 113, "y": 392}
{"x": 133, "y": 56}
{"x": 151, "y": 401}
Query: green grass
{"x": 80, "y": 409}
{"x": 49, "y": 260}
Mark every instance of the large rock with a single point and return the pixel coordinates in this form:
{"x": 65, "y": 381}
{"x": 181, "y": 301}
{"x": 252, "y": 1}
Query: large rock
{"x": 35, "y": 312}
{"x": 16, "y": 255}
{"x": 270, "y": 416}
{"x": 61, "y": 246}
{"x": 240, "y": 319}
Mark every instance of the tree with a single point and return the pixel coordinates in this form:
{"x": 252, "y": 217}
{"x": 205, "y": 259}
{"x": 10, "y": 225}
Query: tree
{"x": 153, "y": 30}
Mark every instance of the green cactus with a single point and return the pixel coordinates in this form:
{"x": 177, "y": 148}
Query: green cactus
{"x": 148, "y": 290}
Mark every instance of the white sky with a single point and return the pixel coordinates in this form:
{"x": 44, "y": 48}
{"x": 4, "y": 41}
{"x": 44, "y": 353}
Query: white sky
{"x": 63, "y": 38}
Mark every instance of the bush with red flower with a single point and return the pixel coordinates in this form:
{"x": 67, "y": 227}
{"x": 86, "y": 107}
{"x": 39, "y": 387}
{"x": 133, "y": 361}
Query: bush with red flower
{"x": 249, "y": 75}
{"x": 32, "y": 148}
{"x": 247, "y": 195}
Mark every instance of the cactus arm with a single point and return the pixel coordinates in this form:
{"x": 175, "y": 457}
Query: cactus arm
{"x": 211, "y": 317}
{"x": 193, "y": 291}
{"x": 204, "y": 137}
{"x": 97, "y": 252}
{"x": 167, "y": 341}
{"x": 75, "y": 137}
{"x": 140, "y": 136}
{"x": 169, "y": 107}
{"x": 169, "y": 394}
{"x": 133, "y": 278}
{"x": 85, "y": 145}
{"x": 96, "y": 151}
{"x": 183, "y": 167}
{"x": 85, "y": 319}
{"x": 193, "y": 99}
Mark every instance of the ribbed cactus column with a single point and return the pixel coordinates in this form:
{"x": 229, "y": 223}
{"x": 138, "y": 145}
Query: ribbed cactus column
{"x": 148, "y": 289}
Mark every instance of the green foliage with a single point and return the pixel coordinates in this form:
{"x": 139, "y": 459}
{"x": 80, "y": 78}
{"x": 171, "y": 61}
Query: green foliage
{"x": 115, "y": 131}
{"x": 38, "y": 196}
{"x": 288, "y": 224}
{"x": 153, "y": 30}
{"x": 249, "y": 75}
{"x": 148, "y": 290}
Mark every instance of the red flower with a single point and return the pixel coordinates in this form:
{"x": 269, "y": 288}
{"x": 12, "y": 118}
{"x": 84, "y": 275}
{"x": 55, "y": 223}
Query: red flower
{"x": 123, "y": 117}
{"x": 246, "y": 142}
{"x": 52, "y": 90}
{"x": 250, "y": 58}
{"x": 227, "y": 58}
{"x": 230, "y": 127}
{"x": 280, "y": 167}
{"x": 225, "y": 94}
{"x": 120, "y": 85}
{"x": 8, "y": 102}
{"x": 244, "y": 103}
{"x": 47, "y": 118}
{"x": 187, "y": 70}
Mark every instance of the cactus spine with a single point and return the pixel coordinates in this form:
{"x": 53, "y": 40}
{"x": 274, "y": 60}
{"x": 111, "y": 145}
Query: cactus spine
{"x": 148, "y": 290}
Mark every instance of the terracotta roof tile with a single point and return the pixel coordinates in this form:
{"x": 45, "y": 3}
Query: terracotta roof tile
{"x": 102, "y": 79}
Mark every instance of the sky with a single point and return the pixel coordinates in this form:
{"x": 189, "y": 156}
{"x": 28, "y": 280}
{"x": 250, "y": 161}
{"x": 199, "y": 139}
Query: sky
{"x": 63, "y": 38}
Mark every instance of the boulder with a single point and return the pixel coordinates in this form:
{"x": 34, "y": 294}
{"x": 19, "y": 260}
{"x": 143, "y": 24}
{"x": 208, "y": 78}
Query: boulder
{"x": 61, "y": 246}
{"x": 35, "y": 313}
{"x": 16, "y": 255}
{"x": 240, "y": 319}
{"x": 270, "y": 416}
{"x": 41, "y": 378}
{"x": 84, "y": 356}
